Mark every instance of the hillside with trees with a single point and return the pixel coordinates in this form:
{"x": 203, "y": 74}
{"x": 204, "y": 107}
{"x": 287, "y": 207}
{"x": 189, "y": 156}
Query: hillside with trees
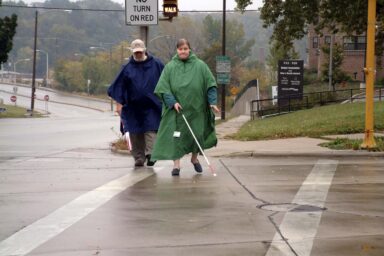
{"x": 88, "y": 40}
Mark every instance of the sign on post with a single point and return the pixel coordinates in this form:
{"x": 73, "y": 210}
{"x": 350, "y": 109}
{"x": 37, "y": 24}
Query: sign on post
{"x": 223, "y": 64}
{"x": 290, "y": 80}
{"x": 223, "y": 78}
{"x": 46, "y": 98}
{"x": 141, "y": 12}
{"x": 13, "y": 98}
{"x": 223, "y": 69}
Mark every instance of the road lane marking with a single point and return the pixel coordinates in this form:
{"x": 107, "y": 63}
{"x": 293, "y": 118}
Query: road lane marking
{"x": 299, "y": 228}
{"x": 39, "y": 232}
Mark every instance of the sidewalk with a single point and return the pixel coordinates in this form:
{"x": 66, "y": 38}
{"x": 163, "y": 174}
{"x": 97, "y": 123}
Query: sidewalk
{"x": 302, "y": 146}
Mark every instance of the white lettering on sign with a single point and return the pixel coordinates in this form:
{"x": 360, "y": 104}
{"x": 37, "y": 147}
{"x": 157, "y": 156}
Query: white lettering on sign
{"x": 141, "y": 12}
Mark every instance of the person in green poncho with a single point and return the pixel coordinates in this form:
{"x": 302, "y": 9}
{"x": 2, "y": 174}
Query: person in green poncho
{"x": 186, "y": 85}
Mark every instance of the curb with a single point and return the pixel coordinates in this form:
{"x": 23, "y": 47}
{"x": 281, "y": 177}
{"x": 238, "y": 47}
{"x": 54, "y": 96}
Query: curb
{"x": 301, "y": 154}
{"x": 119, "y": 151}
{"x": 281, "y": 154}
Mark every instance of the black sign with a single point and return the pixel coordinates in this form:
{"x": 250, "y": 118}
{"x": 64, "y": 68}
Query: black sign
{"x": 170, "y": 8}
{"x": 290, "y": 80}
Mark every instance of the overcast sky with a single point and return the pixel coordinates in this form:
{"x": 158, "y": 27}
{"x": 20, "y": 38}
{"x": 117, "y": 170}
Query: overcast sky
{"x": 187, "y": 5}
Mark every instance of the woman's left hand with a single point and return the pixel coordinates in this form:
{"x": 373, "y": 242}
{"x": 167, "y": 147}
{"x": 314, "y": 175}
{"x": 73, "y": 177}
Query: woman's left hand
{"x": 215, "y": 108}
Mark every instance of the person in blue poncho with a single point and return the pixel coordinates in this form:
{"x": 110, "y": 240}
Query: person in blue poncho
{"x": 134, "y": 88}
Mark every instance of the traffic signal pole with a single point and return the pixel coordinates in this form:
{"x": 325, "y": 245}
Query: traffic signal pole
{"x": 369, "y": 70}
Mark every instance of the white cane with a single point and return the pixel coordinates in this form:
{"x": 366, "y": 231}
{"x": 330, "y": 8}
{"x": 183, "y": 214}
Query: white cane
{"x": 128, "y": 139}
{"x": 201, "y": 150}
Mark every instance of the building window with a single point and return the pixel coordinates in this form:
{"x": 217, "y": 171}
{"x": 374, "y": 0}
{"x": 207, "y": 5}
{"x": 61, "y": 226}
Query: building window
{"x": 354, "y": 43}
{"x": 327, "y": 39}
{"x": 315, "y": 42}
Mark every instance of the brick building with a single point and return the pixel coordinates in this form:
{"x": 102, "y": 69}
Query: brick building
{"x": 353, "y": 50}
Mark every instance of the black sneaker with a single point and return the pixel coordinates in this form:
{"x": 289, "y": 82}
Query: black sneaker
{"x": 198, "y": 167}
{"x": 149, "y": 162}
{"x": 175, "y": 172}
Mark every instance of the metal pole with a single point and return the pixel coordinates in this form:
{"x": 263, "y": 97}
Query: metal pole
{"x": 47, "y": 82}
{"x": 369, "y": 140}
{"x": 223, "y": 53}
{"x": 110, "y": 71}
{"x": 34, "y": 67}
{"x": 144, "y": 34}
{"x": 330, "y": 64}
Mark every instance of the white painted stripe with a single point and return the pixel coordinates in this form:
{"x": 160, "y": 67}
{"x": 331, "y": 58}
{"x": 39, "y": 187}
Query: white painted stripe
{"x": 39, "y": 232}
{"x": 300, "y": 228}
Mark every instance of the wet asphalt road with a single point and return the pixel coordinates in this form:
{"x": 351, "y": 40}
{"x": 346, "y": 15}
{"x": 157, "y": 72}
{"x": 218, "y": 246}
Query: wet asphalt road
{"x": 157, "y": 214}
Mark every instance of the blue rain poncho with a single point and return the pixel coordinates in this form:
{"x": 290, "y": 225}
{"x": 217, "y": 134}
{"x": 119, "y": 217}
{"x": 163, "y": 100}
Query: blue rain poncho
{"x": 133, "y": 88}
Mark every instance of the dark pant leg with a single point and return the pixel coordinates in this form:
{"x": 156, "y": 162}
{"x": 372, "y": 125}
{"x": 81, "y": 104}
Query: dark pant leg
{"x": 138, "y": 146}
{"x": 150, "y": 138}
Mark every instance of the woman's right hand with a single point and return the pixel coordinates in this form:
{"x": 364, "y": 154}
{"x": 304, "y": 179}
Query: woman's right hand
{"x": 177, "y": 107}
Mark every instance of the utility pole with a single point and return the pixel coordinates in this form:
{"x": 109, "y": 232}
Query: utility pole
{"x": 34, "y": 67}
{"x": 223, "y": 53}
{"x": 369, "y": 140}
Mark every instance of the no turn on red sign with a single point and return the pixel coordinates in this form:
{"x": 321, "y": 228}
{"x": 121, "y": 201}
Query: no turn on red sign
{"x": 141, "y": 12}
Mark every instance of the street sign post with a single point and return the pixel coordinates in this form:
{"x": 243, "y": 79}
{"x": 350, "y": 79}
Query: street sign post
{"x": 141, "y": 12}
{"x": 13, "y": 98}
{"x": 46, "y": 99}
{"x": 223, "y": 69}
{"x": 223, "y": 78}
{"x": 223, "y": 64}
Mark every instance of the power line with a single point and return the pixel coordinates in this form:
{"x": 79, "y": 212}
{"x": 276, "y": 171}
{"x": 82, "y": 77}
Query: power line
{"x": 67, "y": 40}
{"x": 111, "y": 10}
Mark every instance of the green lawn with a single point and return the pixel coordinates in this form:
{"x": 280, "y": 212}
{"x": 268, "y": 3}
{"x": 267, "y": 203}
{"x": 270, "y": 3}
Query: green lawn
{"x": 15, "y": 112}
{"x": 316, "y": 122}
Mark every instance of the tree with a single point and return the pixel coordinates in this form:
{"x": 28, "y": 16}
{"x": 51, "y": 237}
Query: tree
{"x": 338, "y": 75}
{"x": 238, "y": 48}
{"x": 291, "y": 18}
{"x": 164, "y": 47}
{"x": 277, "y": 52}
{"x": 7, "y": 31}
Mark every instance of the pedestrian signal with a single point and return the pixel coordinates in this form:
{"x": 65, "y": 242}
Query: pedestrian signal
{"x": 170, "y": 8}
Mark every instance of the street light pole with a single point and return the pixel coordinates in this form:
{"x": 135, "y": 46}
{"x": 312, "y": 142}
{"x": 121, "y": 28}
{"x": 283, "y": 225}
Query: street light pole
{"x": 14, "y": 66}
{"x": 47, "y": 65}
{"x": 34, "y": 66}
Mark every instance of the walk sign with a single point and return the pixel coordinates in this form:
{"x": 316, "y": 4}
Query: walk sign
{"x": 141, "y": 12}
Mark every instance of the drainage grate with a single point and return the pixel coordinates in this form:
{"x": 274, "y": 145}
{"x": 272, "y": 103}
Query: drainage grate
{"x": 289, "y": 207}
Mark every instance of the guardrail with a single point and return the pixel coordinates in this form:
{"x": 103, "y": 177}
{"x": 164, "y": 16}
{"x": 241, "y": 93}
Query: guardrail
{"x": 294, "y": 102}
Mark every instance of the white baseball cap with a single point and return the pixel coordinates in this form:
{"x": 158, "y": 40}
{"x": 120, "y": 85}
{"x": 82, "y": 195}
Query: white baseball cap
{"x": 137, "y": 46}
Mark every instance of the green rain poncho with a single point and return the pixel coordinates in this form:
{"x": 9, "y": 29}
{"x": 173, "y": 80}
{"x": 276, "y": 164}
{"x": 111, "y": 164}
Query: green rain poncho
{"x": 188, "y": 81}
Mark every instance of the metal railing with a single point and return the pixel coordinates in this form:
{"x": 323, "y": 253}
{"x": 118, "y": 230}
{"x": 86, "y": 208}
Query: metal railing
{"x": 294, "y": 102}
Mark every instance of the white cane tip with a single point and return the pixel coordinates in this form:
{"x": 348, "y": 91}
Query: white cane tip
{"x": 214, "y": 174}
